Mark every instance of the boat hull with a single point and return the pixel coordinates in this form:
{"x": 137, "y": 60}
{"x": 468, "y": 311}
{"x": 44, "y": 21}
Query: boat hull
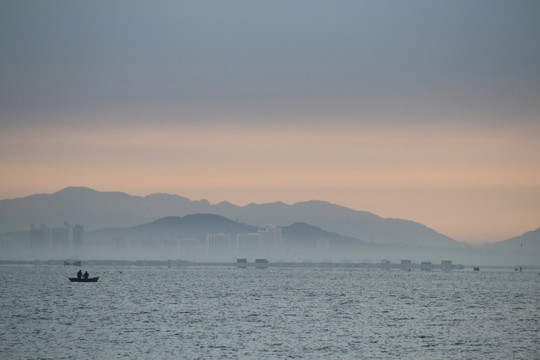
{"x": 74, "y": 279}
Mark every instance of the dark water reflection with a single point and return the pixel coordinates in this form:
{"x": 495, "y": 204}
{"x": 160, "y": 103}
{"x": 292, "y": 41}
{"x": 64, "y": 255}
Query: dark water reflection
{"x": 212, "y": 313}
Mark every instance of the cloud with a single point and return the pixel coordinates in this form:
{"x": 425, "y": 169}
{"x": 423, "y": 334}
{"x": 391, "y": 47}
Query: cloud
{"x": 350, "y": 60}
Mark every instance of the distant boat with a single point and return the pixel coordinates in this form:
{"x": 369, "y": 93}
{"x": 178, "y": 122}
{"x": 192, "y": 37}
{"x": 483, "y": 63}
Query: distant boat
{"x": 476, "y": 268}
{"x": 75, "y": 279}
{"x": 72, "y": 263}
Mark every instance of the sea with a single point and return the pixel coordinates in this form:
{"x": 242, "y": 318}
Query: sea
{"x": 221, "y": 312}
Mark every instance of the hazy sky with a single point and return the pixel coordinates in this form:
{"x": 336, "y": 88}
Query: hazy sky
{"x": 422, "y": 110}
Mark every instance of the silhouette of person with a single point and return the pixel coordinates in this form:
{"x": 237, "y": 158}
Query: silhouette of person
{"x": 79, "y": 274}
{"x": 85, "y": 275}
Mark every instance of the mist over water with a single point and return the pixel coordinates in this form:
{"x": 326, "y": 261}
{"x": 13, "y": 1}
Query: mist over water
{"x": 217, "y": 313}
{"x": 117, "y": 226}
{"x": 199, "y": 252}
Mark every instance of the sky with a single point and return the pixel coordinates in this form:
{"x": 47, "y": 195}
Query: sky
{"x": 421, "y": 110}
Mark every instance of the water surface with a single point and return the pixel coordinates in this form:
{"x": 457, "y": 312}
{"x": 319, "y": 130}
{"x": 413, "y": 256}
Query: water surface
{"x": 275, "y": 313}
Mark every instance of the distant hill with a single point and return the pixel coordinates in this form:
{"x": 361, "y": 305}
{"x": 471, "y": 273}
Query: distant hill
{"x": 528, "y": 242}
{"x": 92, "y": 209}
{"x": 197, "y": 226}
{"x": 305, "y": 234}
{"x": 362, "y": 225}
{"x": 194, "y": 226}
{"x": 519, "y": 250}
{"x": 301, "y": 241}
{"x": 97, "y": 210}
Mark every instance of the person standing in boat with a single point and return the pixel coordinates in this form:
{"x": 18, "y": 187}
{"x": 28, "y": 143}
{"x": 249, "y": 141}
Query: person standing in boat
{"x": 85, "y": 276}
{"x": 79, "y": 274}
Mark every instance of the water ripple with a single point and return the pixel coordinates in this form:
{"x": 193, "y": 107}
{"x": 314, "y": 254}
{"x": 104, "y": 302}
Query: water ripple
{"x": 219, "y": 313}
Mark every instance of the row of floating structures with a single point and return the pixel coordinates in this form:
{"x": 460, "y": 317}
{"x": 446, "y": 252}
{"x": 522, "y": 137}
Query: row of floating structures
{"x": 408, "y": 265}
{"x": 404, "y": 265}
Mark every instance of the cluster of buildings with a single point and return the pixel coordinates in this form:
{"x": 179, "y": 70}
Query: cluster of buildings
{"x": 210, "y": 247}
{"x": 64, "y": 238}
{"x": 43, "y": 242}
{"x": 262, "y": 242}
{"x": 68, "y": 241}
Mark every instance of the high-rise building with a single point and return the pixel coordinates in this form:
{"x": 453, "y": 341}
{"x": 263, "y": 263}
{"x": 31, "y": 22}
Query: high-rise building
{"x": 219, "y": 244}
{"x": 248, "y": 244}
{"x": 56, "y": 238}
{"x": 40, "y": 236}
{"x": 60, "y": 238}
{"x": 78, "y": 237}
{"x": 272, "y": 236}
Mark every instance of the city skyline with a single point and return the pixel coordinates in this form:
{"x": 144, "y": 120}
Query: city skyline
{"x": 415, "y": 110}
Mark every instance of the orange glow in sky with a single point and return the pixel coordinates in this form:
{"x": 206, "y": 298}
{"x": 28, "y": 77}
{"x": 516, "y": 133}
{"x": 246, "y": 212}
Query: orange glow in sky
{"x": 426, "y": 111}
{"x": 460, "y": 184}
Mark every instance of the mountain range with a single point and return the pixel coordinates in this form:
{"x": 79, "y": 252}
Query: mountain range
{"x": 116, "y": 215}
{"x": 198, "y": 226}
{"x": 97, "y": 210}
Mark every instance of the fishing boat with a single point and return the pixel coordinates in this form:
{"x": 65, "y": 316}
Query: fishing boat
{"x": 76, "y": 279}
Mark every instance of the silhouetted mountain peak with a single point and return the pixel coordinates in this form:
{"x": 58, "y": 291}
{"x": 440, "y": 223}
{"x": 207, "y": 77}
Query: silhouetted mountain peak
{"x": 194, "y": 219}
{"x": 530, "y": 238}
{"x": 195, "y": 225}
{"x": 165, "y": 196}
{"x": 70, "y": 190}
{"x": 225, "y": 203}
{"x": 300, "y": 225}
{"x": 270, "y": 204}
